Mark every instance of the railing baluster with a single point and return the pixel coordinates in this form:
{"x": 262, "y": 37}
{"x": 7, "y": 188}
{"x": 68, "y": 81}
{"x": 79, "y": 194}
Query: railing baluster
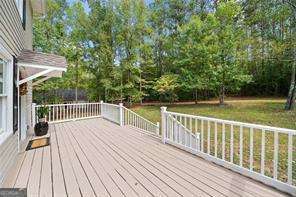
{"x": 63, "y": 109}
{"x": 179, "y": 134}
{"x": 190, "y": 140}
{"x": 53, "y": 113}
{"x": 216, "y": 140}
{"x": 223, "y": 141}
{"x": 263, "y": 152}
{"x": 275, "y": 154}
{"x": 209, "y": 138}
{"x": 185, "y": 137}
{"x": 71, "y": 111}
{"x": 241, "y": 146}
{"x": 290, "y": 159}
{"x": 49, "y": 114}
{"x": 201, "y": 136}
{"x": 251, "y": 148}
{"x": 196, "y": 142}
{"x": 231, "y": 143}
{"x": 196, "y": 125}
{"x": 190, "y": 124}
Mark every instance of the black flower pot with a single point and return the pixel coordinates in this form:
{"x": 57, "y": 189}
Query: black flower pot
{"x": 41, "y": 128}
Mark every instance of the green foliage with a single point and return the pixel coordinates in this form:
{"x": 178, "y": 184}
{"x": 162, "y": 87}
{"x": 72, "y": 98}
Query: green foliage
{"x": 42, "y": 111}
{"x": 167, "y": 86}
{"x": 131, "y": 51}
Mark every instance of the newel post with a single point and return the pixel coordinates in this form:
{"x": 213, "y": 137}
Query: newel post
{"x": 121, "y": 115}
{"x": 33, "y": 111}
{"x": 102, "y": 108}
{"x": 163, "y": 124}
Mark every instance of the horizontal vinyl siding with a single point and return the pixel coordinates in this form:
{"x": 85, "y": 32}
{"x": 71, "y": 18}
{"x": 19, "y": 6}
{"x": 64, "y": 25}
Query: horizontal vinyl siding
{"x": 11, "y": 30}
{"x": 12, "y": 37}
{"x": 8, "y": 154}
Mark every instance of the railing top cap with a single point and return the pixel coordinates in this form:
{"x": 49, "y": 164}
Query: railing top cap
{"x": 237, "y": 123}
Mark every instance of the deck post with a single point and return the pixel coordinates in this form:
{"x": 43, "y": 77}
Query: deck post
{"x": 102, "y": 108}
{"x": 163, "y": 124}
{"x": 33, "y": 115}
{"x": 121, "y": 114}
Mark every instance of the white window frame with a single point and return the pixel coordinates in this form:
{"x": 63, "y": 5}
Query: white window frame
{"x": 6, "y": 113}
{"x": 3, "y": 93}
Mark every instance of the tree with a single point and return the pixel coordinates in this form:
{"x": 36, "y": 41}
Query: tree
{"x": 229, "y": 74}
{"x": 292, "y": 90}
{"x": 117, "y": 50}
{"x": 197, "y": 46}
{"x": 167, "y": 86}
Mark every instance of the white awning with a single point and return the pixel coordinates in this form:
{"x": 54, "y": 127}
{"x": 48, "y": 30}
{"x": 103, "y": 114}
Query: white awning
{"x": 43, "y": 66}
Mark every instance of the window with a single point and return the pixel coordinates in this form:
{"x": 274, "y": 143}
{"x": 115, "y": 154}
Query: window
{"x": 6, "y": 94}
{"x": 2, "y": 77}
{"x": 2, "y": 95}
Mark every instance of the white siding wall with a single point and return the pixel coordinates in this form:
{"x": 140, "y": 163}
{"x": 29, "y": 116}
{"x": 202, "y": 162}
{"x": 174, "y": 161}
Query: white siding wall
{"x": 14, "y": 38}
{"x": 11, "y": 30}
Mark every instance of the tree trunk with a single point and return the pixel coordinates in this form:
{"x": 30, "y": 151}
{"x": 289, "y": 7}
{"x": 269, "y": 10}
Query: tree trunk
{"x": 141, "y": 99}
{"x": 292, "y": 91}
{"x": 222, "y": 95}
{"x": 195, "y": 96}
{"x": 76, "y": 83}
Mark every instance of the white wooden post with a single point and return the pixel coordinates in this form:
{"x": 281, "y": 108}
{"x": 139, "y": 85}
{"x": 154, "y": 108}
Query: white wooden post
{"x": 33, "y": 114}
{"x": 102, "y": 110}
{"x": 163, "y": 124}
{"x": 121, "y": 114}
{"x": 157, "y": 129}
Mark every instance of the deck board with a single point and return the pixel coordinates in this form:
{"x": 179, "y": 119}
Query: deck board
{"x": 95, "y": 181}
{"x": 34, "y": 179}
{"x": 132, "y": 182}
{"x": 58, "y": 181}
{"x": 95, "y": 157}
{"x": 219, "y": 183}
{"x": 46, "y": 173}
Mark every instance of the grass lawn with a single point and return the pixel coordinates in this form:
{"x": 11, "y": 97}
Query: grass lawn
{"x": 260, "y": 111}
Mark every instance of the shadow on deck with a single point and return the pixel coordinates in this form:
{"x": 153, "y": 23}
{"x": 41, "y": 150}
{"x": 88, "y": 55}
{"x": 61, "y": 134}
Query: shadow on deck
{"x": 95, "y": 157}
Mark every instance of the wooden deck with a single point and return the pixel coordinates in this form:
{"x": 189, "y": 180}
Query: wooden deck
{"x": 95, "y": 157}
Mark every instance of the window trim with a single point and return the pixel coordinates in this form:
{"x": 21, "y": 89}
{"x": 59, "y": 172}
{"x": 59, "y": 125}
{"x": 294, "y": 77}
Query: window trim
{"x": 4, "y": 77}
{"x": 4, "y": 54}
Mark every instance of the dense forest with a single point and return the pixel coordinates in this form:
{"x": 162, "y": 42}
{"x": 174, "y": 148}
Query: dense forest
{"x": 169, "y": 50}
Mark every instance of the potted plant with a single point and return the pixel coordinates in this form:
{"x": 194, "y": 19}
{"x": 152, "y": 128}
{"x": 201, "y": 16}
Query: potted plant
{"x": 41, "y": 128}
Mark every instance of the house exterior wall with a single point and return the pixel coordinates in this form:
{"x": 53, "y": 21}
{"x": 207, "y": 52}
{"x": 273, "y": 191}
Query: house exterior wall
{"x": 12, "y": 33}
{"x": 13, "y": 39}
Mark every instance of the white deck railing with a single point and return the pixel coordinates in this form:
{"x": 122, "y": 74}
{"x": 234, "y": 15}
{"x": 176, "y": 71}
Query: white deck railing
{"x": 112, "y": 112}
{"x": 261, "y": 152}
{"x": 178, "y": 135}
{"x": 65, "y": 112}
{"x": 133, "y": 119}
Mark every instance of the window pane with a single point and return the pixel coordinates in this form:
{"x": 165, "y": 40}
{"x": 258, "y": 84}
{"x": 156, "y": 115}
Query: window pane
{"x": 1, "y": 76}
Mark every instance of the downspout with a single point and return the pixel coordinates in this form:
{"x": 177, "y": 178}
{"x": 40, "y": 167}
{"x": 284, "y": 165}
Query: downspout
{"x": 18, "y": 111}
